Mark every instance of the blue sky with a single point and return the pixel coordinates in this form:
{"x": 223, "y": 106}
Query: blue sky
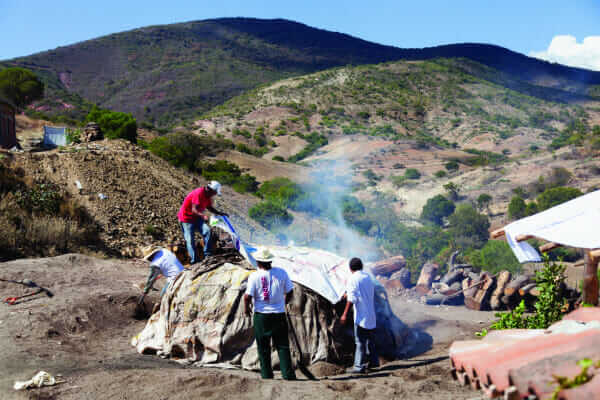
{"x": 526, "y": 26}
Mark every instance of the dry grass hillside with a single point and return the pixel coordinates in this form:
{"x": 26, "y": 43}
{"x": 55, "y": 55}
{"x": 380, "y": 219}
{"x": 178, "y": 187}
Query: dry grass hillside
{"x": 419, "y": 115}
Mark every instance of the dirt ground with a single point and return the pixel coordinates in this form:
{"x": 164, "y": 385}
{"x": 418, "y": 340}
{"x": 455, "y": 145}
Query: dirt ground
{"x": 83, "y": 334}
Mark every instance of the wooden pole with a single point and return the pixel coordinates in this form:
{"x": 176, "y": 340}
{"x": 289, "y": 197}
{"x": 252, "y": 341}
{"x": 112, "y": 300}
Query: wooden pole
{"x": 590, "y": 278}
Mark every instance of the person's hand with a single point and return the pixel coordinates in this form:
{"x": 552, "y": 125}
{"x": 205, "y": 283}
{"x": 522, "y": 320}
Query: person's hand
{"x": 344, "y": 319}
{"x": 205, "y": 217}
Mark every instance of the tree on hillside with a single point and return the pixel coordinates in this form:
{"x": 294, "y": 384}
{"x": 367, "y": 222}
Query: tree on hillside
{"x": 114, "y": 124}
{"x": 437, "y": 208}
{"x": 483, "y": 201}
{"x": 21, "y": 86}
{"x": 516, "y": 208}
{"x": 469, "y": 228}
{"x": 555, "y": 196}
{"x": 452, "y": 189}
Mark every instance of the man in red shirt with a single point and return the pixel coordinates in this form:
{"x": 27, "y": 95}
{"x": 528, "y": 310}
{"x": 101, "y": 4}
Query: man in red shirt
{"x": 192, "y": 219}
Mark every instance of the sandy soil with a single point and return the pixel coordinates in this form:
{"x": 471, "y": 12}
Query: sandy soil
{"x": 83, "y": 333}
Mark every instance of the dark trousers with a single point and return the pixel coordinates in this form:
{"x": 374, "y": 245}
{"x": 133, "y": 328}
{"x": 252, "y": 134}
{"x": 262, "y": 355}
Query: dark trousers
{"x": 267, "y": 327}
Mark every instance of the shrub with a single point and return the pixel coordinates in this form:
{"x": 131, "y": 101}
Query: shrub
{"x": 451, "y": 165}
{"x": 468, "y": 227}
{"x": 452, "y": 189}
{"x": 548, "y": 307}
{"x": 278, "y": 158}
{"x": 555, "y": 196}
{"x": 517, "y": 208}
{"x": 113, "y": 124}
{"x": 483, "y": 201}
{"x": 412, "y": 173}
{"x": 437, "y": 208}
{"x": 270, "y": 215}
{"x": 282, "y": 191}
{"x": 495, "y": 256}
{"x": 440, "y": 174}
{"x": 43, "y": 198}
{"x": 228, "y": 173}
{"x": 184, "y": 149}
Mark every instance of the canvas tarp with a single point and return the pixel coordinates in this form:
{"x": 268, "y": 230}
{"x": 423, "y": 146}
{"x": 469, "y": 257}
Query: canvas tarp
{"x": 54, "y": 136}
{"x": 573, "y": 224}
{"x": 202, "y": 321}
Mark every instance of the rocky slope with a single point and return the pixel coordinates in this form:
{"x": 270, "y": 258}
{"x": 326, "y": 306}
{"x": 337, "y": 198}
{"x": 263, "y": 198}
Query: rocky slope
{"x": 132, "y": 195}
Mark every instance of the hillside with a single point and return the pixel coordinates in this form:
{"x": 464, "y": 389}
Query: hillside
{"x": 129, "y": 198}
{"x": 168, "y": 73}
{"x": 380, "y": 120}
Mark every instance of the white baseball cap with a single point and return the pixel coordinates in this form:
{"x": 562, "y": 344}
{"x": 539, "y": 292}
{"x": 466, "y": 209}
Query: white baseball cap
{"x": 216, "y": 186}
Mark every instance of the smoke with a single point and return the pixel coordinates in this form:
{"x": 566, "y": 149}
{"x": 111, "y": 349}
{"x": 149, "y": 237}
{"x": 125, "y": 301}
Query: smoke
{"x": 330, "y": 186}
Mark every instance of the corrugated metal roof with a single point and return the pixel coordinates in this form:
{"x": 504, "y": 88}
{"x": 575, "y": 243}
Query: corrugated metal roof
{"x": 524, "y": 361}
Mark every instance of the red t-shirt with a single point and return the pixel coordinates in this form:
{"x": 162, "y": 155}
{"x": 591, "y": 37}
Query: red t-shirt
{"x": 196, "y": 196}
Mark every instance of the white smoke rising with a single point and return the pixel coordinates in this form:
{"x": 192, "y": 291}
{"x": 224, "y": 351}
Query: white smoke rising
{"x": 565, "y": 49}
{"x": 330, "y": 183}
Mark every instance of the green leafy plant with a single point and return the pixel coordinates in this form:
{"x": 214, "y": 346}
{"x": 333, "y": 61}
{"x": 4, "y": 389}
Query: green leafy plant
{"x": 114, "y": 125}
{"x": 20, "y": 86}
{"x": 581, "y": 378}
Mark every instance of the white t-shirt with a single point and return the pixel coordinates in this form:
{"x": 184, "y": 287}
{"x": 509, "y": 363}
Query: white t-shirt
{"x": 168, "y": 264}
{"x": 268, "y": 289}
{"x": 361, "y": 292}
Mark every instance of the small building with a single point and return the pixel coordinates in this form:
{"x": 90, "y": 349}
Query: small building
{"x": 8, "y": 131}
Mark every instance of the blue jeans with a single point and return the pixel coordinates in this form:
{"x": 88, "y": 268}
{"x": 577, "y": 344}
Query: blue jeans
{"x": 365, "y": 345}
{"x": 189, "y": 229}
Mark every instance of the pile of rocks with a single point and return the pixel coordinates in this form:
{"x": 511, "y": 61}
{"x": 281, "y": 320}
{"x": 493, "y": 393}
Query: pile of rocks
{"x": 91, "y": 132}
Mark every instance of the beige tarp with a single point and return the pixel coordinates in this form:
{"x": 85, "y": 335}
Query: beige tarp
{"x": 201, "y": 320}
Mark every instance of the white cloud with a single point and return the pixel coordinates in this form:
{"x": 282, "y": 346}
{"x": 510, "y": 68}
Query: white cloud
{"x": 564, "y": 49}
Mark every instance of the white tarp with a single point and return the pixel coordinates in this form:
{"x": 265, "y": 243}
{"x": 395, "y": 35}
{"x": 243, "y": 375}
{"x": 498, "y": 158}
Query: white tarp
{"x": 574, "y": 223}
{"x": 319, "y": 270}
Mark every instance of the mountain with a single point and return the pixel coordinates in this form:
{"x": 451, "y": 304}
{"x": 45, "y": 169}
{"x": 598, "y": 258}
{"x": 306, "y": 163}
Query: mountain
{"x": 167, "y": 73}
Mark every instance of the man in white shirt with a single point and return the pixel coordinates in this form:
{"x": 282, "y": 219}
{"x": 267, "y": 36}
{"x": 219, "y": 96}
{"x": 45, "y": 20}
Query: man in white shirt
{"x": 360, "y": 293}
{"x": 162, "y": 262}
{"x": 270, "y": 288}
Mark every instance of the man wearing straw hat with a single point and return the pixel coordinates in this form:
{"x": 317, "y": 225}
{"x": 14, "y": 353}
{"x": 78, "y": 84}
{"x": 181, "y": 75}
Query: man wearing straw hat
{"x": 162, "y": 262}
{"x": 270, "y": 288}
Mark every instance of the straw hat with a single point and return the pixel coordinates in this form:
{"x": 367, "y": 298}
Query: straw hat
{"x": 263, "y": 254}
{"x": 149, "y": 251}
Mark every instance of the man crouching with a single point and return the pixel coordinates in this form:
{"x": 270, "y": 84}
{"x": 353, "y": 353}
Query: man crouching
{"x": 271, "y": 288}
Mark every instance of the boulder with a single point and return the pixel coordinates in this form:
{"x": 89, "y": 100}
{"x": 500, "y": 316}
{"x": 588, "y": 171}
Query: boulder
{"x": 428, "y": 272}
{"x": 403, "y": 275}
{"x": 388, "y": 266}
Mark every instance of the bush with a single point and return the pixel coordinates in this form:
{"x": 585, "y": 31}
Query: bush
{"x": 229, "y": 174}
{"x": 43, "y": 198}
{"x": 468, "y": 227}
{"x": 278, "y": 158}
{"x": 183, "y": 150}
{"x": 517, "y": 208}
{"x": 451, "y": 165}
{"x": 437, "y": 208}
{"x": 440, "y": 174}
{"x": 483, "y": 201}
{"x": 113, "y": 124}
{"x": 555, "y": 196}
{"x": 548, "y": 307}
{"x": 270, "y": 215}
{"x": 412, "y": 173}
{"x": 495, "y": 256}
{"x": 282, "y": 191}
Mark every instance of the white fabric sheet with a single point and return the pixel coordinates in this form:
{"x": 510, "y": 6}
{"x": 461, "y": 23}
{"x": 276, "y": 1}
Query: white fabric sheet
{"x": 574, "y": 224}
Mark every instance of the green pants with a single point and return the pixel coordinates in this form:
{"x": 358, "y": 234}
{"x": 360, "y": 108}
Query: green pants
{"x": 267, "y": 326}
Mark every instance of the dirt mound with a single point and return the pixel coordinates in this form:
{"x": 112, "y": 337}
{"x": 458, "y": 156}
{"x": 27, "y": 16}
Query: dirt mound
{"x": 133, "y": 195}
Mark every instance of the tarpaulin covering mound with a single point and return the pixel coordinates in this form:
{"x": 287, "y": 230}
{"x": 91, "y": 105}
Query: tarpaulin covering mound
{"x": 202, "y": 321}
